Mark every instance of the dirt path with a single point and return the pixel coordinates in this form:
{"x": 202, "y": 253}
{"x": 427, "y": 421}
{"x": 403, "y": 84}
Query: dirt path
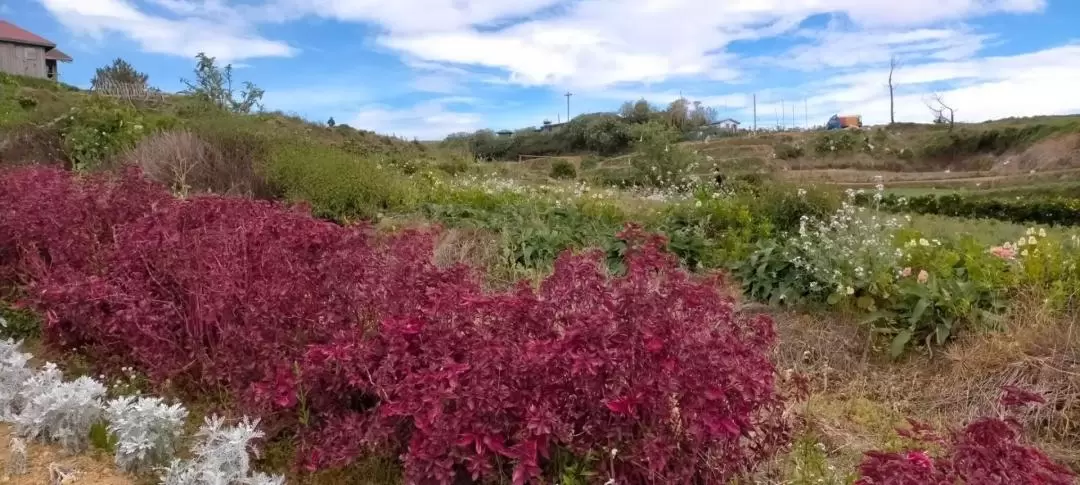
{"x": 88, "y": 469}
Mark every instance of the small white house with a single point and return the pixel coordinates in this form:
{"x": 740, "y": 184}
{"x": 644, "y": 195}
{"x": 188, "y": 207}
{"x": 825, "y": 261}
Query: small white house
{"x": 726, "y": 124}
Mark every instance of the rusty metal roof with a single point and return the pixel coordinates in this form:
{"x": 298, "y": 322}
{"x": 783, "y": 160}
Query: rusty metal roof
{"x": 10, "y": 32}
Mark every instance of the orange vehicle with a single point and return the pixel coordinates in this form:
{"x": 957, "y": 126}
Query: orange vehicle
{"x": 838, "y": 122}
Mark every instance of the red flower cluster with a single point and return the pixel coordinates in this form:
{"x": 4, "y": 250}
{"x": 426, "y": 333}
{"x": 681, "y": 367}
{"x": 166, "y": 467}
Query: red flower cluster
{"x": 352, "y": 343}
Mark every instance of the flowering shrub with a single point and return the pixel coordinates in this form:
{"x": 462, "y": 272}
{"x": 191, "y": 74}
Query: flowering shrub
{"x": 915, "y": 289}
{"x": 351, "y": 343}
{"x": 988, "y": 450}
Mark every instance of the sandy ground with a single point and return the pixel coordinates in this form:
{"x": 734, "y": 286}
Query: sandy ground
{"x": 88, "y": 469}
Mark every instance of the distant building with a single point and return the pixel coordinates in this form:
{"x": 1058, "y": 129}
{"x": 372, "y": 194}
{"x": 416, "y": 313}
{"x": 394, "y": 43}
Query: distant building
{"x": 26, "y": 54}
{"x": 726, "y": 124}
{"x": 551, "y": 127}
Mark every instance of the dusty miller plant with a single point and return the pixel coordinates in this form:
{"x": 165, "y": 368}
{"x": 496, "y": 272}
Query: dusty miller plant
{"x": 220, "y": 457}
{"x": 146, "y": 430}
{"x": 61, "y": 412}
{"x": 13, "y": 373}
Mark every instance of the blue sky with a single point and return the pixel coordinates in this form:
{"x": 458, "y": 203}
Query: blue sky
{"x": 426, "y": 68}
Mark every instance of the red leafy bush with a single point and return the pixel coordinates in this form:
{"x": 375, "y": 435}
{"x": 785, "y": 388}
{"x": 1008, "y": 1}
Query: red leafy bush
{"x": 48, "y": 217}
{"x": 652, "y": 364}
{"x": 986, "y": 451}
{"x": 351, "y": 343}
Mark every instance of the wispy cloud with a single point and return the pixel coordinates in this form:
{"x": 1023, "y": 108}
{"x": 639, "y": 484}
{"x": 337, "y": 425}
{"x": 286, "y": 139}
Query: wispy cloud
{"x": 215, "y": 30}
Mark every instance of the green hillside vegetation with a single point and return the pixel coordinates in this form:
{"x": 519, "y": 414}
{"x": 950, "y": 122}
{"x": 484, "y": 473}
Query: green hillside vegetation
{"x": 891, "y": 302}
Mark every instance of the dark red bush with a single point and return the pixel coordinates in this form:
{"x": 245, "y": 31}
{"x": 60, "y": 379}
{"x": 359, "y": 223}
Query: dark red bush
{"x": 986, "y": 451}
{"x": 352, "y": 343}
{"x": 652, "y": 364}
{"x": 48, "y": 217}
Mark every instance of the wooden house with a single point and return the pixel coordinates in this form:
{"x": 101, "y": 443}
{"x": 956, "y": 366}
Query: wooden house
{"x": 26, "y": 54}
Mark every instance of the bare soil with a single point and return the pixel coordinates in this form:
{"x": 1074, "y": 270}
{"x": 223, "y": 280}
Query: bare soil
{"x": 88, "y": 468}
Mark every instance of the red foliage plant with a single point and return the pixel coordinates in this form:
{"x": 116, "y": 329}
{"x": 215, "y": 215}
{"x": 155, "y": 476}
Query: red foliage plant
{"x": 352, "y": 343}
{"x": 986, "y": 451}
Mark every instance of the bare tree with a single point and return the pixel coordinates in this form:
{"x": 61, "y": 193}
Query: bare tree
{"x": 943, "y": 113}
{"x": 893, "y": 64}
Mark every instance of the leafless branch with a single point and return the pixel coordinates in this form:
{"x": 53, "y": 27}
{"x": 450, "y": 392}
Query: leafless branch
{"x": 943, "y": 113}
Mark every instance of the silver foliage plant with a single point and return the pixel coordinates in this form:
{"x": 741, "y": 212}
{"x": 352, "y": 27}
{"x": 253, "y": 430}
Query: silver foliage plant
{"x": 13, "y": 373}
{"x": 221, "y": 457}
{"x": 63, "y": 413}
{"x": 42, "y": 406}
{"x": 146, "y": 429}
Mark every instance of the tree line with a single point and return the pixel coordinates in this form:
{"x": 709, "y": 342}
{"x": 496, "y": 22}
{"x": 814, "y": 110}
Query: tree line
{"x": 601, "y": 133}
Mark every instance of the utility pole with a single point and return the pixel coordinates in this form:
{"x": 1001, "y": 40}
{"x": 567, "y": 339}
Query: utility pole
{"x": 806, "y": 114}
{"x": 783, "y": 112}
{"x": 755, "y": 112}
{"x": 568, "y": 94}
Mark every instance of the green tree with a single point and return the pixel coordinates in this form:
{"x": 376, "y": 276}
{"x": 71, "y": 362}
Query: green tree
{"x": 214, "y": 85}
{"x": 330, "y": 122}
{"x": 120, "y": 71}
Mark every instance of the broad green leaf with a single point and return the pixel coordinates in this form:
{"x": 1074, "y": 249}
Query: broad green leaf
{"x": 918, "y": 310}
{"x": 899, "y": 342}
{"x": 834, "y": 298}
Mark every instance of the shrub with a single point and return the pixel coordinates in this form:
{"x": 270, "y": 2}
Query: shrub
{"x": 1054, "y": 211}
{"x": 589, "y": 162}
{"x": 146, "y": 430}
{"x": 786, "y": 151}
{"x": 62, "y": 412}
{"x": 97, "y": 129}
{"x": 660, "y": 162}
{"x": 27, "y": 102}
{"x": 49, "y": 219}
{"x": 230, "y": 163}
{"x": 563, "y": 169}
{"x": 988, "y": 450}
{"x": 316, "y": 328}
{"x": 649, "y": 380}
{"x": 338, "y": 185}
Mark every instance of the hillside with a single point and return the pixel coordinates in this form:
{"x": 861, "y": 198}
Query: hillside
{"x": 396, "y": 312}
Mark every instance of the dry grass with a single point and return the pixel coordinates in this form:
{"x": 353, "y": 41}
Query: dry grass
{"x": 188, "y": 163}
{"x": 26, "y": 145}
{"x": 859, "y": 396}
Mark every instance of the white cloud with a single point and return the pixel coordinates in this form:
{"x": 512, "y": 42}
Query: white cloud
{"x": 606, "y": 42}
{"x": 215, "y": 30}
{"x": 1035, "y": 83}
{"x": 428, "y": 120}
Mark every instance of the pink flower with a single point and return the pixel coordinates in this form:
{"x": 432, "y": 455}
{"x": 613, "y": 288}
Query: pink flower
{"x": 906, "y": 272}
{"x": 1004, "y": 252}
{"x": 923, "y": 276}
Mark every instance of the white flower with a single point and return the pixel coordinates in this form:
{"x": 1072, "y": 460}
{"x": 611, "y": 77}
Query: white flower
{"x": 850, "y": 291}
{"x": 924, "y": 242}
{"x": 1042, "y": 232}
{"x": 1032, "y": 240}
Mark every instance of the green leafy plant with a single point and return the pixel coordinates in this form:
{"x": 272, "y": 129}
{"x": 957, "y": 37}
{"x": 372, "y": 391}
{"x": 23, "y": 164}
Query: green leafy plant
{"x": 563, "y": 169}
{"x": 214, "y": 84}
{"x": 98, "y": 129}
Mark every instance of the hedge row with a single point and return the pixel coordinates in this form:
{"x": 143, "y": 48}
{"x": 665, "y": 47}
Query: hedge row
{"x": 1059, "y": 211}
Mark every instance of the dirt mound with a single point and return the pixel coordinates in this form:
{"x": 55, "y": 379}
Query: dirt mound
{"x": 1050, "y": 154}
